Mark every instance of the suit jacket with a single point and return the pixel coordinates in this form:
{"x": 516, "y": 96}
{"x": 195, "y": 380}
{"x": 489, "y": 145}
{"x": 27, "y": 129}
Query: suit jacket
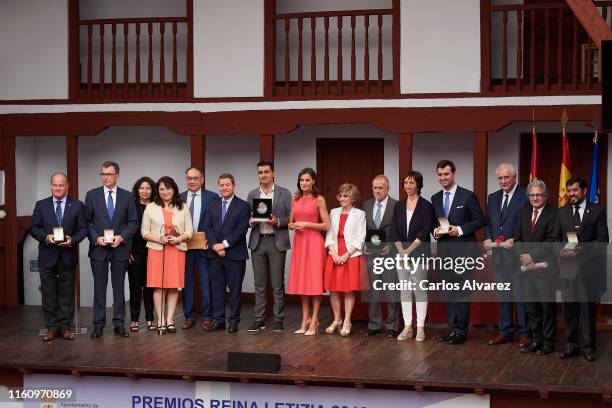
{"x": 205, "y": 198}
{"x": 465, "y": 212}
{"x": 281, "y": 208}
{"x": 124, "y": 223}
{"x": 153, "y": 221}
{"x": 593, "y": 228}
{"x": 386, "y": 223}
{"x": 233, "y": 229}
{"x": 354, "y": 230}
{"x": 43, "y": 222}
{"x": 420, "y": 225}
{"x": 547, "y": 230}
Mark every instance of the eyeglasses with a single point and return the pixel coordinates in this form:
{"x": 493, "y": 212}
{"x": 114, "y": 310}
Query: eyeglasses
{"x": 108, "y": 174}
{"x": 196, "y": 178}
{"x": 536, "y": 195}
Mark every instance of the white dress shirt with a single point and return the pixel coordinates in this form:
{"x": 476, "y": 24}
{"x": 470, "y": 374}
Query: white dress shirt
{"x": 113, "y": 196}
{"x": 197, "y": 206}
{"x": 451, "y": 197}
{"x": 510, "y": 194}
{"x": 382, "y": 208}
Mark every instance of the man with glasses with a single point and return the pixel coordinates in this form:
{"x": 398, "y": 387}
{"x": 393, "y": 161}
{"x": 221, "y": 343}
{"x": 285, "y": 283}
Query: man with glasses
{"x": 197, "y": 199}
{"x": 112, "y": 220}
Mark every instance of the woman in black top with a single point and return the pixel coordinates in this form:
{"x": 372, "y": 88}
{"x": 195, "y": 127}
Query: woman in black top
{"x": 143, "y": 192}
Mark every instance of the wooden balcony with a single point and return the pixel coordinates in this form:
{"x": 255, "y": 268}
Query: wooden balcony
{"x": 540, "y": 48}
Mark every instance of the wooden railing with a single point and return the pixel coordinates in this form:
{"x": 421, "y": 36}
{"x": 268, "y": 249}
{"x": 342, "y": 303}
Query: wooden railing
{"x": 349, "y": 52}
{"x": 131, "y": 58}
{"x": 542, "y": 48}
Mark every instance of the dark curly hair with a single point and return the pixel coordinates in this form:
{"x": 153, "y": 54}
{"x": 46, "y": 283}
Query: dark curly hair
{"x": 176, "y": 198}
{"x": 137, "y": 185}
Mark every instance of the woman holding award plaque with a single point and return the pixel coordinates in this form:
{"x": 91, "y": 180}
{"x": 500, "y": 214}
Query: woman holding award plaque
{"x": 412, "y": 223}
{"x": 166, "y": 226}
{"x": 344, "y": 241}
{"x": 308, "y": 218}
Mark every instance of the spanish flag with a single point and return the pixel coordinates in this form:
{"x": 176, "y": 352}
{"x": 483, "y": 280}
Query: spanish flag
{"x": 533, "y": 170}
{"x": 565, "y": 172}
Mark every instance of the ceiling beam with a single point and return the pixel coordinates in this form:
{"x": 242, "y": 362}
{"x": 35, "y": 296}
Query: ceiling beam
{"x": 592, "y": 21}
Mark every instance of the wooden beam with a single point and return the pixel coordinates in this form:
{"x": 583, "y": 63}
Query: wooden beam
{"x": 74, "y": 69}
{"x": 480, "y": 150}
{"x": 266, "y": 148}
{"x": 198, "y": 152}
{"x": 269, "y": 47}
{"x": 72, "y": 171}
{"x": 591, "y": 20}
{"x": 404, "y": 148}
{"x": 396, "y": 44}
{"x": 485, "y": 46}
{"x": 9, "y": 295}
{"x": 189, "y": 5}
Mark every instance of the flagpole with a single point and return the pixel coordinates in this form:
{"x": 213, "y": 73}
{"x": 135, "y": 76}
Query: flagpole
{"x": 565, "y": 173}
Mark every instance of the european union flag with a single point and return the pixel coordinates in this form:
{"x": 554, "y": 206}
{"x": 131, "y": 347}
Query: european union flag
{"x": 594, "y": 177}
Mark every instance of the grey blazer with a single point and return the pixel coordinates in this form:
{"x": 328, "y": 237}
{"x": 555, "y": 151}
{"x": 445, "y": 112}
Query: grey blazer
{"x": 281, "y": 208}
{"x": 387, "y": 220}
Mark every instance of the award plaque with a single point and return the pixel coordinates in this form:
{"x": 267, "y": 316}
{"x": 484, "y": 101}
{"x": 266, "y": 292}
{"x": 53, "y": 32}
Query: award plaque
{"x": 109, "y": 236}
{"x": 58, "y": 234}
{"x": 444, "y": 228}
{"x": 262, "y": 209}
{"x": 197, "y": 241}
{"x": 375, "y": 240}
{"x": 572, "y": 241}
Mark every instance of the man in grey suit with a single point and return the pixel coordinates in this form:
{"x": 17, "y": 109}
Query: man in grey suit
{"x": 269, "y": 242}
{"x": 379, "y": 215}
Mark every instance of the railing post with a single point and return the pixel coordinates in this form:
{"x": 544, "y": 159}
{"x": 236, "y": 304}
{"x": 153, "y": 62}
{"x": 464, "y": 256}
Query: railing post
{"x": 396, "y": 45}
{"x": 485, "y": 46}
{"x": 74, "y": 68}
{"x": 269, "y": 47}
{"x": 189, "y": 91}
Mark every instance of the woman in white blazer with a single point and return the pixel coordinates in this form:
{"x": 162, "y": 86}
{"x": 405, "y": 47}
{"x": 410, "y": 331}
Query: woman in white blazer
{"x": 166, "y": 226}
{"x": 344, "y": 267}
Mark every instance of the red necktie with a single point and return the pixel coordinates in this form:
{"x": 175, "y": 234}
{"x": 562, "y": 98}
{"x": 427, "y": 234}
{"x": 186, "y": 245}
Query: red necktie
{"x": 534, "y": 219}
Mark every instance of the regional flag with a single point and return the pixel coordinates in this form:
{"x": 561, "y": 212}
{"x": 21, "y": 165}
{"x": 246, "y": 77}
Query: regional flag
{"x": 566, "y": 174}
{"x": 594, "y": 177}
{"x": 533, "y": 169}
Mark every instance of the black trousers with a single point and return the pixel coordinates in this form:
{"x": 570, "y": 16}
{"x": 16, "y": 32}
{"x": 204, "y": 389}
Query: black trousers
{"x": 137, "y": 277}
{"x": 580, "y": 313}
{"x": 541, "y": 308}
{"x": 57, "y": 289}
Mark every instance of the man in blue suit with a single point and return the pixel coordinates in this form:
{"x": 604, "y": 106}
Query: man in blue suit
{"x": 226, "y": 226}
{"x": 197, "y": 199}
{"x": 462, "y": 209}
{"x": 503, "y": 207}
{"x": 57, "y": 260}
{"x": 110, "y": 210}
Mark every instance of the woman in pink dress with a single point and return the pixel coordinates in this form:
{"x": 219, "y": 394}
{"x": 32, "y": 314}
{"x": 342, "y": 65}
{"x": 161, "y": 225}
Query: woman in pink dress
{"x": 308, "y": 219}
{"x": 344, "y": 241}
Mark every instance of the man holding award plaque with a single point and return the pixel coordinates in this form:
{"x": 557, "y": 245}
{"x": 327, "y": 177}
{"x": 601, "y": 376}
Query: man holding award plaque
{"x": 58, "y": 224}
{"x": 112, "y": 219}
{"x": 269, "y": 242}
{"x": 457, "y": 217}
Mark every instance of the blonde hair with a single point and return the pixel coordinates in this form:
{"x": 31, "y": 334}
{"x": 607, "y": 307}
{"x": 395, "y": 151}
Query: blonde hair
{"x": 351, "y": 190}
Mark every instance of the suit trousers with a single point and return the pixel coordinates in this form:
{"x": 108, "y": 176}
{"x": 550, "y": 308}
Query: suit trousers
{"x": 267, "y": 257}
{"x": 100, "y": 275}
{"x": 541, "y": 308}
{"x": 57, "y": 290}
{"x": 376, "y": 298}
{"x": 226, "y": 273}
{"x": 137, "y": 276}
{"x": 507, "y": 301}
{"x": 579, "y": 310}
{"x": 457, "y": 304}
{"x": 197, "y": 259}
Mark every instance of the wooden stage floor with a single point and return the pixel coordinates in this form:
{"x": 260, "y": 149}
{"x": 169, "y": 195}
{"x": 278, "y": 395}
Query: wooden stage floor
{"x": 356, "y": 361}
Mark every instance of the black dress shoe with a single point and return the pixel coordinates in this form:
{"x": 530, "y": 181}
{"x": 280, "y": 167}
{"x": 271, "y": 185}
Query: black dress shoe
{"x": 589, "y": 356}
{"x": 97, "y": 333}
{"x": 372, "y": 332}
{"x": 569, "y": 353}
{"x": 120, "y": 331}
{"x": 457, "y": 339}
{"x": 446, "y": 338}
{"x": 545, "y": 350}
{"x": 532, "y": 348}
{"x": 216, "y": 327}
{"x": 391, "y": 334}
{"x": 232, "y": 329}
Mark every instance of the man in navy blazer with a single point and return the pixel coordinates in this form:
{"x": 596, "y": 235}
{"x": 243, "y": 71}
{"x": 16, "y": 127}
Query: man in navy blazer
{"x": 57, "y": 260}
{"x": 112, "y": 209}
{"x": 197, "y": 199}
{"x": 503, "y": 207}
{"x": 462, "y": 209}
{"x": 226, "y": 226}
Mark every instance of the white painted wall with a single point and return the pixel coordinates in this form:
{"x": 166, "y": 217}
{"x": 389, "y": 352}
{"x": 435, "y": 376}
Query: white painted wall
{"x": 228, "y": 65}
{"x": 96, "y": 9}
{"x": 34, "y": 49}
{"x": 440, "y": 49}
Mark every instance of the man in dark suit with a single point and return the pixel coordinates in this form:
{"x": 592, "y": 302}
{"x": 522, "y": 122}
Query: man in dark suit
{"x": 197, "y": 199}
{"x": 110, "y": 211}
{"x": 57, "y": 260}
{"x": 536, "y": 228}
{"x": 226, "y": 226}
{"x": 379, "y": 216}
{"x": 269, "y": 243}
{"x": 502, "y": 209}
{"x": 581, "y": 268}
{"x": 462, "y": 209}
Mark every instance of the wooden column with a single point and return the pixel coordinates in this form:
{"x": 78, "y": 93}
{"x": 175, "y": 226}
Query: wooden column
{"x": 72, "y": 171}
{"x": 485, "y": 46}
{"x": 266, "y": 148}
{"x": 74, "y": 68}
{"x": 480, "y": 167}
{"x": 198, "y": 152}
{"x": 189, "y": 91}
{"x": 405, "y": 141}
{"x": 269, "y": 47}
{"x": 9, "y": 280}
{"x": 396, "y": 34}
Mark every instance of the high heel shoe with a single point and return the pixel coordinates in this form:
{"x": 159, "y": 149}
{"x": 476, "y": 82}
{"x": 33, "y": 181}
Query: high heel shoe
{"x": 346, "y": 329}
{"x": 311, "y": 331}
{"x": 302, "y": 329}
{"x": 161, "y": 329}
{"x": 332, "y": 327}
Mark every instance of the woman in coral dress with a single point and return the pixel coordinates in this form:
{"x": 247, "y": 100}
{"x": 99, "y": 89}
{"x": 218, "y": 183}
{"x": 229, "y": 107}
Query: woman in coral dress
{"x": 166, "y": 226}
{"x": 344, "y": 267}
{"x": 308, "y": 218}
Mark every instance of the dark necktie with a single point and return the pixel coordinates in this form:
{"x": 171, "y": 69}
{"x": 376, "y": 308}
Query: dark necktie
{"x": 534, "y": 219}
{"x": 110, "y": 207}
{"x": 223, "y": 211}
{"x": 504, "y": 207}
{"x": 191, "y": 204}
{"x": 577, "y": 220}
{"x": 58, "y": 213}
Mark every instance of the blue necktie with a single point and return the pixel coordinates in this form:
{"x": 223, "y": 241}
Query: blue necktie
{"x": 446, "y": 203}
{"x": 58, "y": 213}
{"x": 110, "y": 206}
{"x": 378, "y": 216}
{"x": 223, "y": 211}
